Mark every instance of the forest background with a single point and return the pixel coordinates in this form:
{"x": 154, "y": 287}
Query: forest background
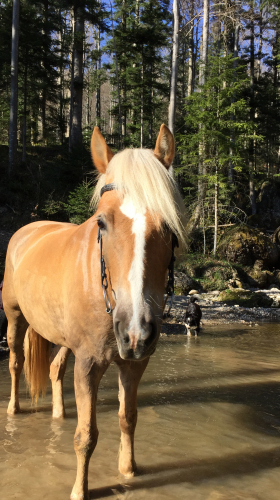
{"x": 208, "y": 69}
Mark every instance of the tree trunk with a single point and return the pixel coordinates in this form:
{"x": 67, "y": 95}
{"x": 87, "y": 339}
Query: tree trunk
{"x": 44, "y": 91}
{"x": 124, "y": 89}
{"x": 72, "y": 83}
{"x": 61, "y": 80}
{"x": 260, "y": 44}
{"x": 142, "y": 108}
{"x": 98, "y": 67}
{"x": 77, "y": 91}
{"x": 232, "y": 138}
{"x": 118, "y": 81}
{"x": 252, "y": 192}
{"x": 202, "y": 187}
{"x": 174, "y": 67}
{"x": 205, "y": 36}
{"x": 216, "y": 211}
{"x": 191, "y": 52}
{"x": 14, "y": 88}
{"x": 24, "y": 113}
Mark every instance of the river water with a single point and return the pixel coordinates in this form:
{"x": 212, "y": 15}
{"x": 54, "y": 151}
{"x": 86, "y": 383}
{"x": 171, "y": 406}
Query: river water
{"x": 208, "y": 426}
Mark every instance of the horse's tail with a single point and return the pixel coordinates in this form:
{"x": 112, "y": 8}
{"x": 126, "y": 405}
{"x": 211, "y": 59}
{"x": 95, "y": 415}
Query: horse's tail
{"x": 36, "y": 364}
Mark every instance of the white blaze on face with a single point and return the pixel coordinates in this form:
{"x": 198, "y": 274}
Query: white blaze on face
{"x": 136, "y": 273}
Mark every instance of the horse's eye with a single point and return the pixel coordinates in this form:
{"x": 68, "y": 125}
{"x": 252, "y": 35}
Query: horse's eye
{"x": 100, "y": 224}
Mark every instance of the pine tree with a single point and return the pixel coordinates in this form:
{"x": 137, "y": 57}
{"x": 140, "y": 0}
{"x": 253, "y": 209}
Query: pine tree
{"x": 214, "y": 106}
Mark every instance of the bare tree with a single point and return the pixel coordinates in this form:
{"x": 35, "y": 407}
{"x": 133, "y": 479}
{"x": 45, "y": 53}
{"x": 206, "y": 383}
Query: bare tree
{"x": 252, "y": 192}
{"x": 191, "y": 51}
{"x": 174, "y": 67}
{"x": 77, "y": 87}
{"x": 194, "y": 220}
{"x": 14, "y": 87}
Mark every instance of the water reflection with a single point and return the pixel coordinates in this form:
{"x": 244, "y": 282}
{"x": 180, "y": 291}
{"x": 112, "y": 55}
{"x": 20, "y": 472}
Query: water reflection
{"x": 54, "y": 437}
{"x": 208, "y": 426}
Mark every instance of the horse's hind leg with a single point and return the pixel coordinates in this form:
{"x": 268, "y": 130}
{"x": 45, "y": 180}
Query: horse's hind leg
{"x": 130, "y": 374}
{"x": 58, "y": 362}
{"x": 17, "y": 327}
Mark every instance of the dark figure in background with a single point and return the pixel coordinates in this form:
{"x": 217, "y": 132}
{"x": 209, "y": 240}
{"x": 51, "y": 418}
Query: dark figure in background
{"x": 192, "y": 317}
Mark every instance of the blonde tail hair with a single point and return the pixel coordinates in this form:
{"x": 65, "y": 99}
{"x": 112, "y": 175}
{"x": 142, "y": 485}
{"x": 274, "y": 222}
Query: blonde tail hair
{"x": 36, "y": 364}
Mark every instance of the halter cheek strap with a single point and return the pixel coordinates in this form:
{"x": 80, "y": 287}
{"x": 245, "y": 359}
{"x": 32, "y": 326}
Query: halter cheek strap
{"x": 104, "y": 283}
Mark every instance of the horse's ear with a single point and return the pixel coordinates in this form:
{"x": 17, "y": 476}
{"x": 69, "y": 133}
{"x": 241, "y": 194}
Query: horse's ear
{"x": 165, "y": 146}
{"x": 101, "y": 154}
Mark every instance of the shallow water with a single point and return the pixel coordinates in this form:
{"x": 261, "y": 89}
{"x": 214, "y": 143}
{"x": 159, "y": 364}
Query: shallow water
{"x": 208, "y": 426}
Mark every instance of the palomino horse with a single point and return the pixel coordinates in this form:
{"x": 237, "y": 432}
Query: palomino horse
{"x": 52, "y": 290}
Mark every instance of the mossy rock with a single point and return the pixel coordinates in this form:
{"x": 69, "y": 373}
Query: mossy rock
{"x": 212, "y": 274}
{"x": 245, "y": 298}
{"x": 183, "y": 283}
{"x": 258, "y": 277}
{"x": 244, "y": 245}
{"x": 217, "y": 277}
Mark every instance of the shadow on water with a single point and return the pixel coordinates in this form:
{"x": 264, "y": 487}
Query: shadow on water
{"x": 258, "y": 395}
{"x": 195, "y": 471}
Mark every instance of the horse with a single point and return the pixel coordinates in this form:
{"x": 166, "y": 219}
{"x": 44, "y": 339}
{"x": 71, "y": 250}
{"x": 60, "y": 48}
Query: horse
{"x": 96, "y": 289}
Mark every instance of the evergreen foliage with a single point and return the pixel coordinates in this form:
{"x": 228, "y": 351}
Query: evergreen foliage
{"x": 227, "y": 129}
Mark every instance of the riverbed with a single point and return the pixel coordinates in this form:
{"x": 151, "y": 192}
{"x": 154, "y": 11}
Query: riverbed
{"x": 208, "y": 425}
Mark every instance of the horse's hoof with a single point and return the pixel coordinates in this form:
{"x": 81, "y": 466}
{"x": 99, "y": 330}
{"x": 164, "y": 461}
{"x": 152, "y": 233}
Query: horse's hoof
{"x": 128, "y": 472}
{"x": 58, "y": 414}
{"x": 13, "y": 409}
{"x": 79, "y": 496}
{"x": 129, "y": 475}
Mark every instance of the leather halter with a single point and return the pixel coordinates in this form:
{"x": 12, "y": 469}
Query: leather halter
{"x": 169, "y": 290}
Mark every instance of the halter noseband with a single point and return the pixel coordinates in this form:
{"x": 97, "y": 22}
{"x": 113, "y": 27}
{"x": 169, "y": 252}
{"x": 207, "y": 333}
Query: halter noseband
{"x": 169, "y": 290}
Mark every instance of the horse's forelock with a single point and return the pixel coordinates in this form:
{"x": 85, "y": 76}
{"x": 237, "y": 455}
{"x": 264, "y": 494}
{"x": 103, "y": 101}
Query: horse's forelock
{"x": 142, "y": 178}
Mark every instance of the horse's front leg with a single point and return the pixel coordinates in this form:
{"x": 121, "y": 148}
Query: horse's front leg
{"x": 87, "y": 375}
{"x": 58, "y": 363}
{"x": 130, "y": 373}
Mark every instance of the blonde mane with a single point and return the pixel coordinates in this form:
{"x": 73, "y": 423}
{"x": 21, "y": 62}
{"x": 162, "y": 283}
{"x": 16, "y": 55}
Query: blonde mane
{"x": 138, "y": 174}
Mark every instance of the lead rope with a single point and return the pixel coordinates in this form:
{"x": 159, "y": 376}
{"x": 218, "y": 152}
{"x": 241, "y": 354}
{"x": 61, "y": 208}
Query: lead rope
{"x": 104, "y": 282}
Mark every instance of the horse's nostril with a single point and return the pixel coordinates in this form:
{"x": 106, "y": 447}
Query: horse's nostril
{"x": 126, "y": 339}
{"x": 152, "y": 329}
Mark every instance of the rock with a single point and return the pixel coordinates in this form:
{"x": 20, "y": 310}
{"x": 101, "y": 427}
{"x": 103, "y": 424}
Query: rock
{"x": 194, "y": 292}
{"x": 268, "y": 205}
{"x": 276, "y": 236}
{"x": 245, "y": 245}
{"x": 273, "y": 288}
{"x": 182, "y": 283}
{"x": 245, "y": 298}
{"x": 216, "y": 276}
{"x": 259, "y": 277}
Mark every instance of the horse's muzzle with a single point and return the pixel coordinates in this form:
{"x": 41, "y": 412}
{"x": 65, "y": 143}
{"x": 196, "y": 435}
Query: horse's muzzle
{"x": 136, "y": 344}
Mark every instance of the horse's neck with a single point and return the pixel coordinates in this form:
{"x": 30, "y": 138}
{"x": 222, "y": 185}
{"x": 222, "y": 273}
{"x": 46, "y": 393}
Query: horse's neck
{"x": 86, "y": 251}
